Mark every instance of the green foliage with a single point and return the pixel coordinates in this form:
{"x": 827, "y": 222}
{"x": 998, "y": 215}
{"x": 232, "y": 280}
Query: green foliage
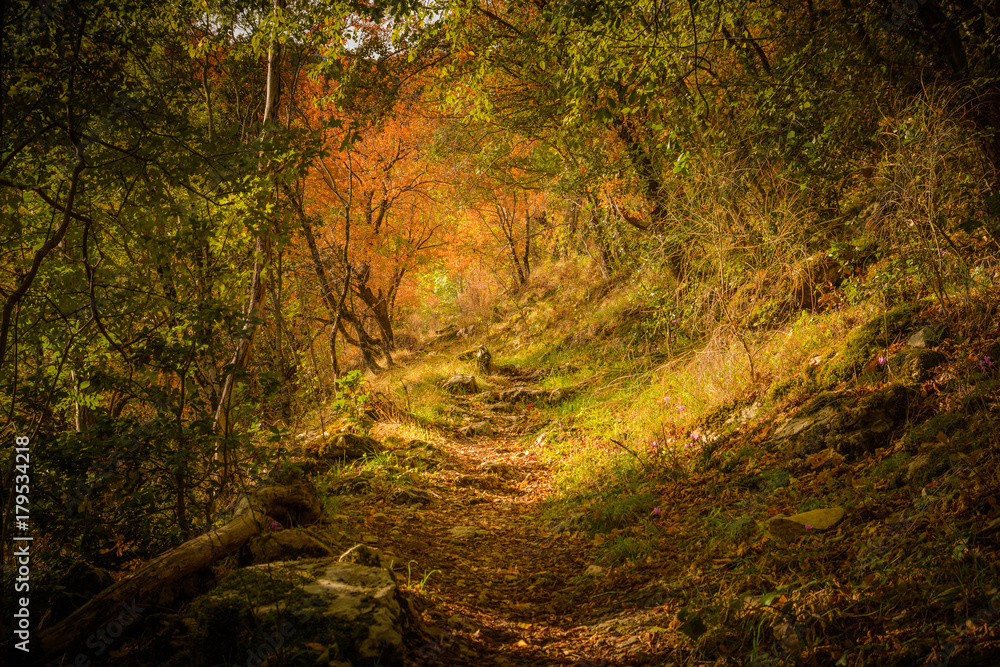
{"x": 352, "y": 399}
{"x": 861, "y": 345}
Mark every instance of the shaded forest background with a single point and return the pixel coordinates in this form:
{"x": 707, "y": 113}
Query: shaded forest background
{"x": 216, "y": 214}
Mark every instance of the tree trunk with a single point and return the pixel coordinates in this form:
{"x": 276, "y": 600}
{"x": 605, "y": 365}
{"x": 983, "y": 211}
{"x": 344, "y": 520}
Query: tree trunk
{"x": 255, "y": 309}
{"x": 253, "y": 513}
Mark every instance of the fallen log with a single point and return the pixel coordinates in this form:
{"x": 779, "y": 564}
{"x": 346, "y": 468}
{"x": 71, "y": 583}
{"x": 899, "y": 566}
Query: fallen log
{"x": 252, "y": 513}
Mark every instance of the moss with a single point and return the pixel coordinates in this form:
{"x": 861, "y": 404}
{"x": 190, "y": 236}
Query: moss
{"x": 862, "y": 343}
{"x": 824, "y": 400}
{"x": 914, "y": 364}
{"x": 979, "y": 431}
{"x": 781, "y": 389}
{"x": 258, "y": 586}
{"x": 937, "y": 463}
{"x": 945, "y": 422}
{"x": 893, "y": 468}
{"x": 773, "y": 479}
{"x": 240, "y": 615}
{"x": 984, "y": 396}
{"x": 715, "y": 420}
{"x": 223, "y": 625}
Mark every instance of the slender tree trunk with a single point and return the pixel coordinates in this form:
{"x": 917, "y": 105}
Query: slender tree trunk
{"x": 255, "y": 311}
{"x": 262, "y": 248}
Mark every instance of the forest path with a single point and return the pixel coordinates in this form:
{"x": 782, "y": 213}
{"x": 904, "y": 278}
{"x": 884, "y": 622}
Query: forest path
{"x": 493, "y": 582}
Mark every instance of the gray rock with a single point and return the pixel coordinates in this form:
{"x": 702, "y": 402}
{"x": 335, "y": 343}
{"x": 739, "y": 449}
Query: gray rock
{"x": 420, "y": 455}
{"x": 411, "y": 497}
{"x": 476, "y": 429}
{"x": 523, "y": 394}
{"x": 852, "y": 426}
{"x": 914, "y": 364}
{"x": 288, "y": 544}
{"x": 795, "y": 426}
{"x": 362, "y": 554}
{"x": 466, "y": 532}
{"x": 929, "y": 336}
{"x": 347, "y": 447}
{"x": 354, "y": 610}
{"x": 568, "y": 524}
{"x": 461, "y": 384}
{"x": 352, "y": 485}
{"x": 915, "y": 464}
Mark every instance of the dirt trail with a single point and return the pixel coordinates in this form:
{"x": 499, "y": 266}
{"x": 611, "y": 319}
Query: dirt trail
{"x": 504, "y": 587}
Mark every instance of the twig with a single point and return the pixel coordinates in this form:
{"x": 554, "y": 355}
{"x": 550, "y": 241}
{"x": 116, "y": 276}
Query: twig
{"x": 641, "y": 462}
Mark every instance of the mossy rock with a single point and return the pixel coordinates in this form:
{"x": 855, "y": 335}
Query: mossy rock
{"x": 288, "y": 544}
{"x": 715, "y": 420}
{"x": 872, "y": 424}
{"x": 914, "y": 364}
{"x": 223, "y": 624}
{"x": 862, "y": 344}
{"x": 826, "y": 399}
{"x": 853, "y": 427}
{"x": 356, "y": 613}
{"x": 782, "y": 389}
{"x": 347, "y": 447}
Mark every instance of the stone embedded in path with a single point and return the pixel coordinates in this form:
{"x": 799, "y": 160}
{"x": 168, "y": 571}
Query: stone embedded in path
{"x": 461, "y": 384}
{"x": 466, "y": 532}
{"x": 362, "y": 554}
{"x": 519, "y": 394}
{"x": 478, "y": 428}
{"x": 790, "y": 528}
{"x": 411, "y": 497}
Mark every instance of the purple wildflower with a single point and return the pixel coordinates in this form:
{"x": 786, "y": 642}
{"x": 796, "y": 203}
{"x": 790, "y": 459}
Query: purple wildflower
{"x": 656, "y": 510}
